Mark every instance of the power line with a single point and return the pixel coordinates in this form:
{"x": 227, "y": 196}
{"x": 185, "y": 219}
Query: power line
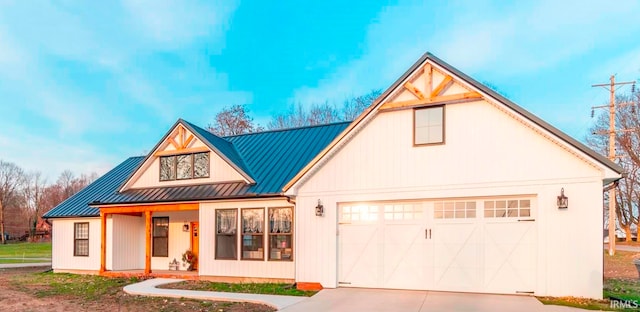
{"x": 613, "y": 86}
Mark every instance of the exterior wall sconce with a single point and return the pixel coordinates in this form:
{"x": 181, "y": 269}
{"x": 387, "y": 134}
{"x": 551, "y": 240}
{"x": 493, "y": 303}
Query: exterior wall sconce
{"x": 563, "y": 201}
{"x": 319, "y": 209}
{"x": 185, "y": 227}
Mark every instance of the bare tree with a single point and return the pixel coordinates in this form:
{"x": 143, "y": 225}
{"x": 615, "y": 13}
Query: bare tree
{"x": 322, "y": 113}
{"x": 233, "y": 120}
{"x": 11, "y": 178}
{"x": 353, "y": 107}
{"x": 34, "y": 193}
{"x": 628, "y": 149}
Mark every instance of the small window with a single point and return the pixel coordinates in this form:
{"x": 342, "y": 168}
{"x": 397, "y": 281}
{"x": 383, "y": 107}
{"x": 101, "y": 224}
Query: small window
{"x": 184, "y": 167}
{"x": 454, "y": 210}
{"x": 161, "y": 237}
{"x": 280, "y": 233}
{"x": 253, "y": 234}
{"x": 359, "y": 213}
{"x": 429, "y": 125}
{"x": 399, "y": 211}
{"x": 81, "y": 239}
{"x": 226, "y": 233}
{"x": 508, "y": 208}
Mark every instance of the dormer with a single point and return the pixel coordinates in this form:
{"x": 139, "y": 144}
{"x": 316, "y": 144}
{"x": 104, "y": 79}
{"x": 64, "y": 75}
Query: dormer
{"x": 189, "y": 155}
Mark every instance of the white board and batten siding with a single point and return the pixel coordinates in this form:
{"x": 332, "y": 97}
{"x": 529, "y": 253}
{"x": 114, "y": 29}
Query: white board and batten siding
{"x": 240, "y": 268}
{"x": 125, "y": 242}
{"x": 488, "y": 153}
{"x": 63, "y": 238}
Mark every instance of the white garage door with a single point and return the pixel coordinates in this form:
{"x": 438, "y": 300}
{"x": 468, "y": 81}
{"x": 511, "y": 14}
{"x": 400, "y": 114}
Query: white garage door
{"x": 480, "y": 245}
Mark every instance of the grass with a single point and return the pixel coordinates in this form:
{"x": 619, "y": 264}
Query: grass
{"x": 25, "y": 250}
{"x": 625, "y": 289}
{"x": 252, "y": 288}
{"x": 87, "y": 287}
{"x": 91, "y": 293}
{"x": 582, "y": 303}
{"x": 620, "y": 283}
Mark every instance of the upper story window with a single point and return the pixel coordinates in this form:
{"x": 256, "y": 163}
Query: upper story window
{"x": 428, "y": 125}
{"x": 184, "y": 166}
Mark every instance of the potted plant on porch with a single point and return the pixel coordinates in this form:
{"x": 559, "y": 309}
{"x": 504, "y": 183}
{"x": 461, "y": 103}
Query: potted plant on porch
{"x": 188, "y": 257}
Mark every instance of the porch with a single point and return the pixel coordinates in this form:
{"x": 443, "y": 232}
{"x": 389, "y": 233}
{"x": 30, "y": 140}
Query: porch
{"x": 143, "y": 240}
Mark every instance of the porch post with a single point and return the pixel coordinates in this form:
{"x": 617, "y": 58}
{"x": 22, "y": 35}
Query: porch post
{"x": 103, "y": 241}
{"x": 147, "y": 258}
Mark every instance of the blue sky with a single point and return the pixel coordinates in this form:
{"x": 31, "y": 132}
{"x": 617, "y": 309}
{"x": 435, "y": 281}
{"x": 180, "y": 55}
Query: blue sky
{"x": 86, "y": 84}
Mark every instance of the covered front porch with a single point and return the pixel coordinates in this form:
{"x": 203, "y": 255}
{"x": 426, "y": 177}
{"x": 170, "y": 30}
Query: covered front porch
{"x": 144, "y": 240}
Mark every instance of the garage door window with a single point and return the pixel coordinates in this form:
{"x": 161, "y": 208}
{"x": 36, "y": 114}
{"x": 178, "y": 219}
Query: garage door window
{"x": 454, "y": 210}
{"x": 359, "y": 213}
{"x": 402, "y": 212}
{"x": 507, "y": 208}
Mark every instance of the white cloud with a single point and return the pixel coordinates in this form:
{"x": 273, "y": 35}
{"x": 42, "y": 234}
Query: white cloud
{"x": 507, "y": 41}
{"x": 178, "y": 22}
{"x": 52, "y": 154}
{"x": 57, "y": 118}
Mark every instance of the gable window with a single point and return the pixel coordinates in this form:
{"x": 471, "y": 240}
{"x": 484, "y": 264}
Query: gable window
{"x": 280, "y": 234}
{"x": 161, "y": 236}
{"x": 184, "y": 166}
{"x": 428, "y": 125}
{"x": 226, "y": 233}
{"x": 81, "y": 239}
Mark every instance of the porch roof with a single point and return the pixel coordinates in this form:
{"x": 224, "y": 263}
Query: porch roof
{"x": 272, "y": 157}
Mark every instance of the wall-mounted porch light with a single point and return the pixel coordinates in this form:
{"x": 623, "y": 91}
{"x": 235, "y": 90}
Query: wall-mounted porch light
{"x": 563, "y": 201}
{"x": 185, "y": 227}
{"x": 319, "y": 209}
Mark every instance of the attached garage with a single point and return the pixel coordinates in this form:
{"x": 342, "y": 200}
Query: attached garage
{"x": 443, "y": 184}
{"x": 477, "y": 245}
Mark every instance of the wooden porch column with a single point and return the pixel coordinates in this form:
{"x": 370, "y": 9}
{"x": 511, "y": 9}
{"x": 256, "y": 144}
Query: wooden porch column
{"x": 103, "y": 241}
{"x": 147, "y": 235}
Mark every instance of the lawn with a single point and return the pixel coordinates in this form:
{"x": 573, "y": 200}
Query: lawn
{"x": 72, "y": 292}
{"x": 252, "y": 288}
{"x": 620, "y": 283}
{"x": 25, "y": 250}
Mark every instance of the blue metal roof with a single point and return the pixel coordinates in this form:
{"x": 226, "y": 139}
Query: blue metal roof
{"x": 224, "y": 147}
{"x": 272, "y": 157}
{"x": 78, "y": 204}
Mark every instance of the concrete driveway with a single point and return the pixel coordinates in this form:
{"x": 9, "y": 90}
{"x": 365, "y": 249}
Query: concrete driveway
{"x": 357, "y": 299}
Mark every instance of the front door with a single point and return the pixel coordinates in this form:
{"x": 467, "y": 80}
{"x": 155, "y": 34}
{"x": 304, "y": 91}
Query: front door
{"x": 195, "y": 242}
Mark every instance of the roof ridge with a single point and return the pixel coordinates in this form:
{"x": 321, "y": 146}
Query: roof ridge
{"x": 288, "y": 129}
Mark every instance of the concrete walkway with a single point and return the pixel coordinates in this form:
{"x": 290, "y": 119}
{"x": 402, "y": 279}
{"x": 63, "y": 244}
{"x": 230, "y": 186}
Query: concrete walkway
{"x": 359, "y": 299}
{"x": 383, "y": 300}
{"x": 624, "y": 247}
{"x": 24, "y": 265}
{"x": 148, "y": 288}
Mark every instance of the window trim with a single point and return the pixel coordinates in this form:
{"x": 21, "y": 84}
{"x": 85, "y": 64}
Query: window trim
{"x": 153, "y": 237}
{"x": 291, "y": 234}
{"x": 76, "y": 239}
{"x": 242, "y": 234}
{"x": 236, "y": 236}
{"x": 175, "y": 166}
{"x": 444, "y": 125}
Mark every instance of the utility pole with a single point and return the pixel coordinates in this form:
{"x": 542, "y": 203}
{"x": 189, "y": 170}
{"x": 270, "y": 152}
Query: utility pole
{"x": 612, "y": 155}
